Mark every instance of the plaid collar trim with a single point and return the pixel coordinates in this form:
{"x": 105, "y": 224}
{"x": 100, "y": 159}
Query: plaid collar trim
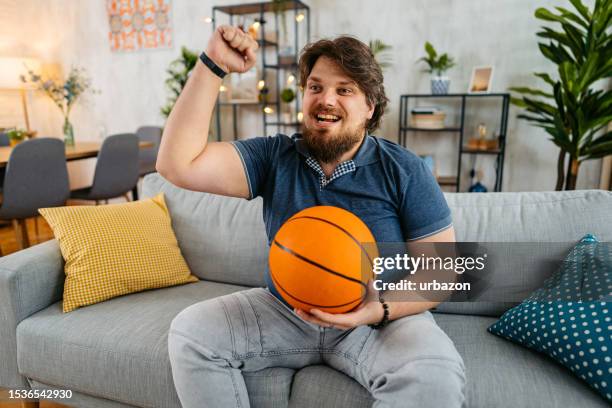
{"x": 367, "y": 153}
{"x": 342, "y": 169}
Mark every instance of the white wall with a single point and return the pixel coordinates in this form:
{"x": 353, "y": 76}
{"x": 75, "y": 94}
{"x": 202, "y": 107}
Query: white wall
{"x": 476, "y": 32}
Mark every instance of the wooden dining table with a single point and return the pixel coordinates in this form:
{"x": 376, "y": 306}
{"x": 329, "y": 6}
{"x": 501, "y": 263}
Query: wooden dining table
{"x": 80, "y": 150}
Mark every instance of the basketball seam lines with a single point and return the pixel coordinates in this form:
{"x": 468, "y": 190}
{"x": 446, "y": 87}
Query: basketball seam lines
{"x": 325, "y": 268}
{"x": 308, "y": 303}
{"x": 341, "y": 229}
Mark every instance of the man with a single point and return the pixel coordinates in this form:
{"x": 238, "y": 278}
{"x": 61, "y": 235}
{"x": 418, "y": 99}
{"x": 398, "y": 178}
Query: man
{"x": 393, "y": 349}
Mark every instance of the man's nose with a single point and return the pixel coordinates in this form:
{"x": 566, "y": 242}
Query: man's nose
{"x": 329, "y": 97}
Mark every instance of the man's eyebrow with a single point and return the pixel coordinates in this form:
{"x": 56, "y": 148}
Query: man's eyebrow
{"x": 317, "y": 79}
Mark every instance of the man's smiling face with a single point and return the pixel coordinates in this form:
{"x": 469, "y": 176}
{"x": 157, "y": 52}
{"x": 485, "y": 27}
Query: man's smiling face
{"x": 336, "y": 111}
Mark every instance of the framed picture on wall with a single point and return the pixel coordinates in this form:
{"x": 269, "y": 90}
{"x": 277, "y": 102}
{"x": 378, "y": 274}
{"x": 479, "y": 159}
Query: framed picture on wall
{"x": 482, "y": 79}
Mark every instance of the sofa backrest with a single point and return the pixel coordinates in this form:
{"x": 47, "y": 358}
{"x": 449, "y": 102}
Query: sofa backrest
{"x": 543, "y": 226}
{"x": 223, "y": 239}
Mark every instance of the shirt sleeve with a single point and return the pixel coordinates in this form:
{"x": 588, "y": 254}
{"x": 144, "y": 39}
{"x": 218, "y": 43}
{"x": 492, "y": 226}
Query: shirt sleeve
{"x": 257, "y": 158}
{"x": 423, "y": 209}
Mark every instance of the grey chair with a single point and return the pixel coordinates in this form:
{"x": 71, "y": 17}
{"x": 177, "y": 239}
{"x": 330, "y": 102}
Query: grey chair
{"x": 36, "y": 177}
{"x": 4, "y": 139}
{"x": 148, "y": 156}
{"x": 116, "y": 171}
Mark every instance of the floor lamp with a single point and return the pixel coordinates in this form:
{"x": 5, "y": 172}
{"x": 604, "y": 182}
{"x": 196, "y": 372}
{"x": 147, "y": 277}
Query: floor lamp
{"x": 11, "y": 70}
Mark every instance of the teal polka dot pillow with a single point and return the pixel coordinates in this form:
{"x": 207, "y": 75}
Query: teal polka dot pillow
{"x": 569, "y": 319}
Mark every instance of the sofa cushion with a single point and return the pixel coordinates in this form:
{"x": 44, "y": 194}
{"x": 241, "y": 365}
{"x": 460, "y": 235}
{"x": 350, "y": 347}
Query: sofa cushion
{"x": 116, "y": 249}
{"x": 118, "y": 349}
{"x": 223, "y": 239}
{"x": 567, "y": 319}
{"x": 320, "y": 386}
{"x": 504, "y": 375}
{"x": 555, "y": 217}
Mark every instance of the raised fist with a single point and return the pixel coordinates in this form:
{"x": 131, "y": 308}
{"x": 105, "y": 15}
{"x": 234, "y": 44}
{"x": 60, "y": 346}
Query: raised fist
{"x": 232, "y": 49}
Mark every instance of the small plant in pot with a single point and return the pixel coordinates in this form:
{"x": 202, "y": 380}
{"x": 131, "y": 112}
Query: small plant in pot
{"x": 16, "y": 136}
{"x": 288, "y": 96}
{"x": 437, "y": 66}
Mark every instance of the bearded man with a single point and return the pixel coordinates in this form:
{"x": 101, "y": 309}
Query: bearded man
{"x": 393, "y": 349}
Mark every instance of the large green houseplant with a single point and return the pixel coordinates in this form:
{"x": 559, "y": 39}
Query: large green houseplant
{"x": 574, "y": 109}
{"x": 178, "y": 72}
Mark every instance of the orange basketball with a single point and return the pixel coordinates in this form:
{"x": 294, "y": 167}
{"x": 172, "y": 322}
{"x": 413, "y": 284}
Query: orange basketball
{"x": 318, "y": 259}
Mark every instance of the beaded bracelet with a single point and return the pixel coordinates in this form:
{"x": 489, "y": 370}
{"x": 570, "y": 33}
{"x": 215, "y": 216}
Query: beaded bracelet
{"x": 385, "y": 319}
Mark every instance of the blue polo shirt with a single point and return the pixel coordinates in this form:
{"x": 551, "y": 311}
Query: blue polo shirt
{"x": 391, "y": 189}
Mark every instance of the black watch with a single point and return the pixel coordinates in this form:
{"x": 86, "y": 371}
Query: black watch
{"x": 212, "y": 66}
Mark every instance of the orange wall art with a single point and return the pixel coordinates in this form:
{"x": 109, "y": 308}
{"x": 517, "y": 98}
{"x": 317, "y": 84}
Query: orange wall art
{"x": 139, "y": 24}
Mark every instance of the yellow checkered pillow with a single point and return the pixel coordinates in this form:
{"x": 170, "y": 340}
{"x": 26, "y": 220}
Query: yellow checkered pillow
{"x": 116, "y": 249}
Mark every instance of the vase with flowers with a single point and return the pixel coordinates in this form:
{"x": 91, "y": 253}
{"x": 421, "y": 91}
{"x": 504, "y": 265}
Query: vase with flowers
{"x": 64, "y": 94}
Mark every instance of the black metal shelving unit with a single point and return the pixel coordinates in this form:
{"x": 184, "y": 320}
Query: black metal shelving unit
{"x": 405, "y": 128}
{"x": 265, "y": 13}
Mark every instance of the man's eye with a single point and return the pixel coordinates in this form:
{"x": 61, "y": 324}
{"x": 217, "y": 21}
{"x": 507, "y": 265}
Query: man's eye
{"x": 345, "y": 91}
{"x": 314, "y": 87}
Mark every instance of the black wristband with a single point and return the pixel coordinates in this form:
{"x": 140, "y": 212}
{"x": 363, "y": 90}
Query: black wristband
{"x": 385, "y": 319}
{"x": 212, "y": 66}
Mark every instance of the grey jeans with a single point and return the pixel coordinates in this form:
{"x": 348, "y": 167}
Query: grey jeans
{"x": 409, "y": 363}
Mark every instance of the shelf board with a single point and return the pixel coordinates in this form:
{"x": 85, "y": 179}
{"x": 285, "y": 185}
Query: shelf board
{"x": 478, "y": 151}
{"x": 293, "y": 65}
{"x": 447, "y": 180}
{"x": 456, "y": 95}
{"x": 266, "y": 43}
{"x": 241, "y": 103}
{"x": 252, "y": 8}
{"x": 417, "y": 129}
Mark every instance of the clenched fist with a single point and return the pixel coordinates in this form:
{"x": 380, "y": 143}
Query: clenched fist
{"x": 232, "y": 49}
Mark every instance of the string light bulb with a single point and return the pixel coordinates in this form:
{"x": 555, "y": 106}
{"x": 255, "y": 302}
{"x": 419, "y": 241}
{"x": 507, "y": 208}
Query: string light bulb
{"x": 300, "y": 117}
{"x": 299, "y": 18}
{"x": 290, "y": 79}
{"x": 268, "y": 110}
{"x": 208, "y": 19}
{"x": 261, "y": 84}
{"x": 222, "y": 88}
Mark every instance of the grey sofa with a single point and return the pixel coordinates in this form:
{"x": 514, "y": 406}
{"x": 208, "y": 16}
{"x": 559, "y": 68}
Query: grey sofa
{"x": 114, "y": 354}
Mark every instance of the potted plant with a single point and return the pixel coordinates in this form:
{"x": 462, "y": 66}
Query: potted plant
{"x": 573, "y": 111}
{"x": 437, "y": 66}
{"x": 287, "y": 96}
{"x": 64, "y": 94}
{"x": 16, "y": 136}
{"x": 380, "y": 51}
{"x": 178, "y": 71}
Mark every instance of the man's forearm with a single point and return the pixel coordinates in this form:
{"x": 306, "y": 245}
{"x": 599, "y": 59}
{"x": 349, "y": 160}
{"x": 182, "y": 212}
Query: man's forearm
{"x": 186, "y": 130}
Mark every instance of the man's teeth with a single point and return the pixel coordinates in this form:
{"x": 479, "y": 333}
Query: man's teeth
{"x": 327, "y": 117}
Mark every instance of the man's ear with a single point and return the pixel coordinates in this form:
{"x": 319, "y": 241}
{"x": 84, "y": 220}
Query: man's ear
{"x": 371, "y": 111}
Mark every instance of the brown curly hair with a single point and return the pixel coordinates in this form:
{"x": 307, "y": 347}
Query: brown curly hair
{"x": 357, "y": 61}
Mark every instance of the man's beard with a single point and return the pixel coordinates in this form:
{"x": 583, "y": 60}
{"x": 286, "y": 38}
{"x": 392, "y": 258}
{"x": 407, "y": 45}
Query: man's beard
{"x": 327, "y": 147}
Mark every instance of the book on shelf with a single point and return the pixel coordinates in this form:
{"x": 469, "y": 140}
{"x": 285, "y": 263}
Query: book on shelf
{"x": 427, "y": 118}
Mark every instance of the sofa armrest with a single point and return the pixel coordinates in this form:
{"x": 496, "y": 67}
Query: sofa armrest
{"x": 30, "y": 280}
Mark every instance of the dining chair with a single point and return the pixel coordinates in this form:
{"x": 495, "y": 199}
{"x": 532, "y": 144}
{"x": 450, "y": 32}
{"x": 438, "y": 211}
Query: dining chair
{"x": 116, "y": 171}
{"x": 4, "y": 139}
{"x": 148, "y": 156}
{"x": 36, "y": 177}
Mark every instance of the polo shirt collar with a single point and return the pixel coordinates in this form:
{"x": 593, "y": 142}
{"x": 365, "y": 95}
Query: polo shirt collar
{"x": 366, "y": 154}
